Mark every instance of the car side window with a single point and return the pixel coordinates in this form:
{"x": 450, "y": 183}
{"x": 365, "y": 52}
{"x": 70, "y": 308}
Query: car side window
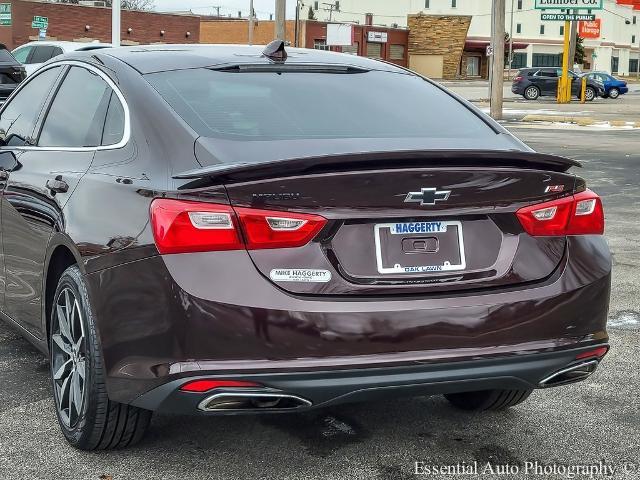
{"x": 78, "y": 112}
{"x": 55, "y": 52}
{"x": 41, "y": 54}
{"x": 114, "y": 124}
{"x": 22, "y": 54}
{"x": 18, "y": 119}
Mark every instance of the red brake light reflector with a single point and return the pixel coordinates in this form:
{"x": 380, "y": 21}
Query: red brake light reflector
{"x": 579, "y": 214}
{"x": 596, "y": 352}
{"x": 200, "y": 386}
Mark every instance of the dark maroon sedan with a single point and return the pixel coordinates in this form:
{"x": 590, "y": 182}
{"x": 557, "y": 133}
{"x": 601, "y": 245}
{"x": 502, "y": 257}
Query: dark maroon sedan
{"x": 222, "y": 230}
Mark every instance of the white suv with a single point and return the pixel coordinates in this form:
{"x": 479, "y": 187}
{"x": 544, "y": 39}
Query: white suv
{"x": 34, "y": 54}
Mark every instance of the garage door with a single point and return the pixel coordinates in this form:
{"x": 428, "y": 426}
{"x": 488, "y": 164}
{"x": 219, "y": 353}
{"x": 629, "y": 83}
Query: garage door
{"x": 431, "y": 66}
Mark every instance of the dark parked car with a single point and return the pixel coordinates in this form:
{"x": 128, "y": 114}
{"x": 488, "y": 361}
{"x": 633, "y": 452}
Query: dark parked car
{"x": 11, "y": 73}
{"x": 613, "y": 87}
{"x": 532, "y": 83}
{"x": 217, "y": 230}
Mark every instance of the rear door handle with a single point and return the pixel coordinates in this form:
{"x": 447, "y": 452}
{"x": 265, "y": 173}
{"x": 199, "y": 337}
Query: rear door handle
{"x": 58, "y": 185}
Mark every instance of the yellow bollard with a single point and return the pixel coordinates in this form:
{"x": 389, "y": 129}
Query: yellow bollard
{"x": 583, "y": 90}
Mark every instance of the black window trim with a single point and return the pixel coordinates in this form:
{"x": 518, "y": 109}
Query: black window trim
{"x": 47, "y": 105}
{"x": 32, "y": 139}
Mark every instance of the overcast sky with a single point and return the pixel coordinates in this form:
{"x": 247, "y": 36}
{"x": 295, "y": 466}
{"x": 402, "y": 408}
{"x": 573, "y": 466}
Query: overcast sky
{"x": 205, "y": 7}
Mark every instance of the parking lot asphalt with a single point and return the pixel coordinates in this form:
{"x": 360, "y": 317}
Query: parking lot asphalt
{"x": 595, "y": 422}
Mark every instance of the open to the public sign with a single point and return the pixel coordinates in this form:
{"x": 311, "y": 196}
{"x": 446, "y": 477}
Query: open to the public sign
{"x": 567, "y": 17}
{"x": 570, "y": 4}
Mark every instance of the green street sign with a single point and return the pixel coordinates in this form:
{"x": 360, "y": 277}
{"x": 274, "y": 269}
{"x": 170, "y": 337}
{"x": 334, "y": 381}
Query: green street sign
{"x": 5, "y": 14}
{"x": 39, "y": 22}
{"x": 567, "y": 17}
{"x": 569, "y": 4}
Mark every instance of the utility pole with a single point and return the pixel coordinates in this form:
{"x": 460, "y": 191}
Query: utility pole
{"x": 115, "y": 23}
{"x": 638, "y": 67}
{"x": 330, "y": 7}
{"x": 281, "y": 9}
{"x": 250, "y": 22}
{"x": 511, "y": 42}
{"x": 573, "y": 41}
{"x": 497, "y": 65}
{"x": 217, "y": 9}
{"x": 297, "y": 25}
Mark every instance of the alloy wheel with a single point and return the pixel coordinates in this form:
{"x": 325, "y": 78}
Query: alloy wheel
{"x": 614, "y": 93}
{"x": 589, "y": 94}
{"x": 531, "y": 93}
{"x": 68, "y": 357}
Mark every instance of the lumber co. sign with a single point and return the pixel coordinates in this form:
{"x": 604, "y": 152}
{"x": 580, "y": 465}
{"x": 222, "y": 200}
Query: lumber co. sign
{"x": 573, "y": 4}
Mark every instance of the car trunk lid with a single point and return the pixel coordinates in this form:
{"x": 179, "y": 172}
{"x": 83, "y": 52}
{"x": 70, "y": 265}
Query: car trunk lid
{"x": 403, "y": 222}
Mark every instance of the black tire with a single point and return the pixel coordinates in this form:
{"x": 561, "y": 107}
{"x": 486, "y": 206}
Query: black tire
{"x": 98, "y": 423}
{"x": 531, "y": 93}
{"x": 590, "y": 94}
{"x": 613, "y": 93}
{"x": 488, "y": 399}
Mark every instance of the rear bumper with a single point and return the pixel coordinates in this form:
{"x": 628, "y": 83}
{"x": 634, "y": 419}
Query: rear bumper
{"x": 325, "y": 388}
{"x": 195, "y": 315}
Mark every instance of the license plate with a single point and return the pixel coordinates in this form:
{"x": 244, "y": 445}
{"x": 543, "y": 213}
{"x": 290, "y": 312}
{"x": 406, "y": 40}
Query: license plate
{"x": 441, "y": 242}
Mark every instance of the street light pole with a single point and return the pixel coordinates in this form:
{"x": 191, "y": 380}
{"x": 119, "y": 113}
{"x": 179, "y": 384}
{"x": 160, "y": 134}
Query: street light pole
{"x": 115, "y": 23}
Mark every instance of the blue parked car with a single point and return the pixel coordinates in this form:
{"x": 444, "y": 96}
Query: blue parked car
{"x": 613, "y": 87}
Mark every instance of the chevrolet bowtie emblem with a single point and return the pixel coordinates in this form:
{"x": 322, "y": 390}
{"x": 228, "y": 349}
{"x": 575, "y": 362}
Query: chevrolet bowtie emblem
{"x": 428, "y": 196}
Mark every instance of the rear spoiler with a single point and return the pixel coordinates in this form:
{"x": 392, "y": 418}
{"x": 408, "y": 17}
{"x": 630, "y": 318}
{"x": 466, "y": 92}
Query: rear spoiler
{"x": 240, "y": 172}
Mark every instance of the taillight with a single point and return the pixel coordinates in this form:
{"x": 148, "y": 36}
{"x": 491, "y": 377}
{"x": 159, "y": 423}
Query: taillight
{"x": 268, "y": 229}
{"x": 517, "y": 79}
{"x": 579, "y": 214}
{"x": 184, "y": 226}
{"x": 181, "y": 226}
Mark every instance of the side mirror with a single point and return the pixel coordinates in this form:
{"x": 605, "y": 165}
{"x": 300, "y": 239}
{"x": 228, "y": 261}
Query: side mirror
{"x": 8, "y": 161}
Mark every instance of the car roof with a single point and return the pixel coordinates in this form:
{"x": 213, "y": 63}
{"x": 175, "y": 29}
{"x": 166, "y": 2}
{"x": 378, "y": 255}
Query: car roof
{"x": 158, "y": 58}
{"x": 67, "y": 46}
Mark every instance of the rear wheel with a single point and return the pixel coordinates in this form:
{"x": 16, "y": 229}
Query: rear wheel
{"x": 590, "y": 94}
{"x": 531, "y": 93}
{"x": 614, "y": 93}
{"x": 488, "y": 399}
{"x": 88, "y": 419}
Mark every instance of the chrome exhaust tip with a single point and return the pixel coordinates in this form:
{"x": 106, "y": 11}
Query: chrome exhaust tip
{"x": 252, "y": 401}
{"x": 571, "y": 374}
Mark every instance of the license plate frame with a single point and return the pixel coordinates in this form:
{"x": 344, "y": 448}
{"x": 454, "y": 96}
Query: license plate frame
{"x": 422, "y": 269}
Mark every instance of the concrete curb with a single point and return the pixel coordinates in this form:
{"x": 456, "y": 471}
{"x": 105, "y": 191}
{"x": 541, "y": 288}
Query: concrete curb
{"x": 581, "y": 121}
{"x": 557, "y": 118}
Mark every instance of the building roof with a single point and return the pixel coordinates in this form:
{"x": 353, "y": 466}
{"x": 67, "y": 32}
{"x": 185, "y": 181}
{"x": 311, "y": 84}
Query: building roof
{"x": 158, "y": 58}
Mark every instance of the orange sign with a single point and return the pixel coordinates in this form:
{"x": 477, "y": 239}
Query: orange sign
{"x": 590, "y": 29}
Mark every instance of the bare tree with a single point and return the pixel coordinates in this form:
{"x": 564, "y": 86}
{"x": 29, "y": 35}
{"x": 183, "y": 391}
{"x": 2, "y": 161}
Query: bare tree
{"x": 126, "y": 4}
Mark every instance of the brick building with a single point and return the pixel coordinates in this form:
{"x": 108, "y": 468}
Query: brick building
{"x": 82, "y": 23}
{"x": 232, "y": 30}
{"x": 391, "y": 46}
{"x": 436, "y": 44}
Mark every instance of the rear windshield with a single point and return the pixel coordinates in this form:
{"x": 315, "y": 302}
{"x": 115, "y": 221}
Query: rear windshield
{"x": 307, "y": 105}
{"x": 6, "y": 57}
